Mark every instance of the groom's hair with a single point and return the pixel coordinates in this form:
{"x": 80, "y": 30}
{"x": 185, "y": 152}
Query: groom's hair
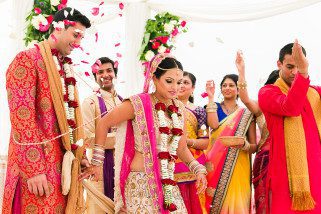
{"x": 288, "y": 50}
{"x": 72, "y": 15}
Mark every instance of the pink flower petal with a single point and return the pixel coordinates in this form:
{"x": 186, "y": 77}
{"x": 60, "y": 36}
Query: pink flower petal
{"x": 116, "y": 64}
{"x": 88, "y": 53}
{"x": 37, "y": 10}
{"x": 85, "y": 62}
{"x": 102, "y": 14}
{"x": 120, "y": 14}
{"x": 96, "y": 35}
{"x": 118, "y": 55}
{"x": 101, "y": 3}
{"x": 37, "y": 46}
{"x": 98, "y": 62}
{"x": 121, "y": 6}
{"x": 87, "y": 74}
{"x": 53, "y": 37}
{"x": 81, "y": 48}
{"x": 116, "y": 45}
{"x": 204, "y": 94}
{"x": 75, "y": 45}
{"x": 95, "y": 68}
{"x": 95, "y": 11}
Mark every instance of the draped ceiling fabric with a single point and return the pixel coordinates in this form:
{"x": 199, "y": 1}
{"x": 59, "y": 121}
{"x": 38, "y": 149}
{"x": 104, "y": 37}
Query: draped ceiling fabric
{"x": 136, "y": 13}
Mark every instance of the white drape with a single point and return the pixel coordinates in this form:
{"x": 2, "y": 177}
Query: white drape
{"x": 136, "y": 15}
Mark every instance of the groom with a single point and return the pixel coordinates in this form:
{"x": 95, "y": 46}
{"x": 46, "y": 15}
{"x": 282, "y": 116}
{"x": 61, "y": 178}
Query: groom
{"x": 38, "y": 118}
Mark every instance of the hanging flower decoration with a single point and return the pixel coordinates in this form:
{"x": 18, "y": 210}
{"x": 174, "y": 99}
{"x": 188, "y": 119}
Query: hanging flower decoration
{"x": 40, "y": 19}
{"x": 160, "y": 35}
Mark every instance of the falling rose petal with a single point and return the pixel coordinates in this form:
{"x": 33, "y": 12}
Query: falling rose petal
{"x": 85, "y": 62}
{"x": 81, "y": 48}
{"x": 122, "y": 81}
{"x": 101, "y": 3}
{"x": 95, "y": 68}
{"x": 88, "y": 53}
{"x": 120, "y": 14}
{"x": 87, "y": 74}
{"x": 75, "y": 45}
{"x": 76, "y": 64}
{"x": 116, "y": 64}
{"x": 96, "y": 36}
{"x": 121, "y": 6}
{"x": 37, "y": 46}
{"x": 95, "y": 11}
{"x": 37, "y": 10}
{"x": 53, "y": 37}
{"x": 204, "y": 94}
{"x": 118, "y": 55}
{"x": 102, "y": 14}
{"x": 66, "y": 13}
{"x": 98, "y": 62}
{"x": 117, "y": 44}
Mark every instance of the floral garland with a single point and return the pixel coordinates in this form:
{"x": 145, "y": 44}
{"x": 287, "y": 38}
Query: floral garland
{"x": 68, "y": 83}
{"x": 159, "y": 36}
{"x": 167, "y": 155}
{"x": 40, "y": 19}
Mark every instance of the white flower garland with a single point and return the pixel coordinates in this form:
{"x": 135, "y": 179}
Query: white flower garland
{"x": 168, "y": 167}
{"x": 69, "y": 110}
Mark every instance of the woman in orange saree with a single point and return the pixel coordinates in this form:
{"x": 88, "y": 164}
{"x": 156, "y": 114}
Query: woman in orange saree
{"x": 228, "y": 156}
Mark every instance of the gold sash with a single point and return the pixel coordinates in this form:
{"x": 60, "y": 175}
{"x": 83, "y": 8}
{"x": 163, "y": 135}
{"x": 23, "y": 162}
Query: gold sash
{"x": 75, "y": 202}
{"x": 296, "y": 154}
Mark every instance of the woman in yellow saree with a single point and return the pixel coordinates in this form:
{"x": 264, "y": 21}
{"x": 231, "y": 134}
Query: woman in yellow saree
{"x": 228, "y": 155}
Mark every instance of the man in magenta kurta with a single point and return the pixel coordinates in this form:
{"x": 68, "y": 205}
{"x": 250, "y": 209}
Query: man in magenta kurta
{"x": 276, "y": 106}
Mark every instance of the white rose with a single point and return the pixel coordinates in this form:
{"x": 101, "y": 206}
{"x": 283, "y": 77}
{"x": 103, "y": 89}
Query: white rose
{"x": 168, "y": 27}
{"x": 149, "y": 55}
{"x": 173, "y": 22}
{"x": 161, "y": 49}
{"x": 54, "y": 2}
{"x": 36, "y": 20}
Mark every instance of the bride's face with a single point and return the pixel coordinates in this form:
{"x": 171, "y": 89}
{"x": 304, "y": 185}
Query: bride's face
{"x": 168, "y": 84}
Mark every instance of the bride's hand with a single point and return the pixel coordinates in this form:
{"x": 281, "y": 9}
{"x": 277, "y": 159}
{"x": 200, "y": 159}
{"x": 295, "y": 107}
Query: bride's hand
{"x": 201, "y": 183}
{"x": 90, "y": 172}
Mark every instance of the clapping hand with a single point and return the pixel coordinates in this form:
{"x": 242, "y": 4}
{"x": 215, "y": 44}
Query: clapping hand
{"x": 239, "y": 62}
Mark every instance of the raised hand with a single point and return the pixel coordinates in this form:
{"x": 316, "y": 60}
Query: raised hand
{"x": 299, "y": 57}
{"x": 210, "y": 88}
{"x": 38, "y": 185}
{"x": 239, "y": 62}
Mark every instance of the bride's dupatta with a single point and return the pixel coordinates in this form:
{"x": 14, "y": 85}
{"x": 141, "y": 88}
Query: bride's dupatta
{"x": 221, "y": 159}
{"x": 125, "y": 151}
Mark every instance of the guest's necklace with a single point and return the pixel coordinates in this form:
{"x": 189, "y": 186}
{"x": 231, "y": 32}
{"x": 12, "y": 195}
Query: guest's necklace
{"x": 229, "y": 111}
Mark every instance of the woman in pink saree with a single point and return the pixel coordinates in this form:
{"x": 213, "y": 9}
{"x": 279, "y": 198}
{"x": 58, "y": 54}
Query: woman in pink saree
{"x": 261, "y": 159}
{"x": 229, "y": 153}
{"x": 197, "y": 141}
{"x": 149, "y": 139}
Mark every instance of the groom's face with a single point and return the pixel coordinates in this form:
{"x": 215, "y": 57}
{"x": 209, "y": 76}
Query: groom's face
{"x": 70, "y": 38}
{"x": 288, "y": 69}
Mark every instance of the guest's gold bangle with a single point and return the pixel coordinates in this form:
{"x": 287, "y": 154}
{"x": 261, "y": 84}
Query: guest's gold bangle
{"x": 241, "y": 85}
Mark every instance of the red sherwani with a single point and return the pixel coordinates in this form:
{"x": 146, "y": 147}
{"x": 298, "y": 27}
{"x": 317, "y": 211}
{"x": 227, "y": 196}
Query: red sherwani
{"x": 275, "y": 106}
{"x": 33, "y": 120}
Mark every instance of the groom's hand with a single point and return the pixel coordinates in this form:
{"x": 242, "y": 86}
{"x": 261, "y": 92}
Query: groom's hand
{"x": 38, "y": 185}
